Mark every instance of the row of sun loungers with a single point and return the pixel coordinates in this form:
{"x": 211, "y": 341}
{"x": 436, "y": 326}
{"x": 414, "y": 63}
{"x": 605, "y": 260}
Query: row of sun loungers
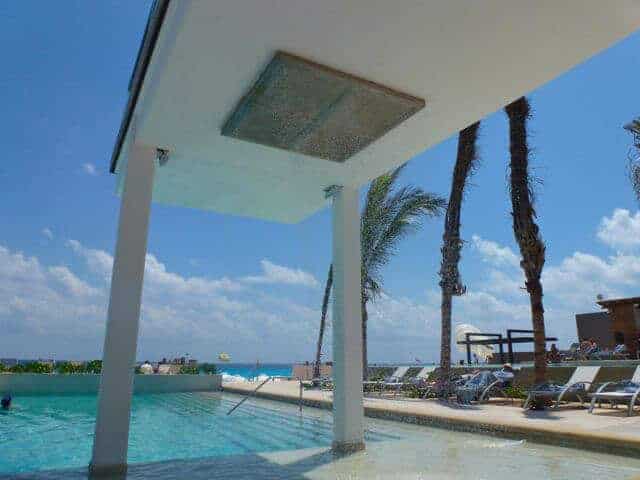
{"x": 485, "y": 385}
{"x": 396, "y": 381}
{"x": 393, "y": 382}
{"x": 581, "y": 381}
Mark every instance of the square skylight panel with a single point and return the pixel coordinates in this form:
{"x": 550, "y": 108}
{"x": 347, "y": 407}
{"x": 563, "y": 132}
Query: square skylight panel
{"x": 304, "y": 107}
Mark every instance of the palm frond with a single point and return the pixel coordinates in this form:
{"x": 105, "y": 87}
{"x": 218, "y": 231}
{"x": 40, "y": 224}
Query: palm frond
{"x": 374, "y": 216}
{"x": 400, "y": 214}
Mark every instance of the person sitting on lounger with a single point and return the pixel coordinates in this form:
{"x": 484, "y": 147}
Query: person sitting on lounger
{"x": 620, "y": 349}
{"x": 505, "y": 375}
{"x": 473, "y": 388}
{"x": 587, "y": 347}
{"x": 553, "y": 356}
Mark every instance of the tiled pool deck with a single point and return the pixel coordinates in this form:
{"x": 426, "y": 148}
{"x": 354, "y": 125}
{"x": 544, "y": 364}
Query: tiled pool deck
{"x": 607, "y": 430}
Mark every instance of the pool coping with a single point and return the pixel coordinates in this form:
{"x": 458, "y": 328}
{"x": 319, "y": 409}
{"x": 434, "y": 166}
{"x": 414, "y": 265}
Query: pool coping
{"x": 599, "y": 441}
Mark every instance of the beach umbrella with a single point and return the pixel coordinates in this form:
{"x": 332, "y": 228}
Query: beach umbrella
{"x": 482, "y": 351}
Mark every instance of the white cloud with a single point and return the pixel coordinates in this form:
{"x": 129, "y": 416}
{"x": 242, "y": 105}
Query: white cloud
{"x": 498, "y": 300}
{"x": 71, "y": 283}
{"x": 47, "y": 233}
{"x": 578, "y": 279}
{"x": 98, "y": 261}
{"x": 495, "y": 254}
{"x": 621, "y": 231}
{"x": 505, "y": 283}
{"x": 401, "y": 329}
{"x": 273, "y": 273}
{"x": 89, "y": 169}
{"x": 42, "y": 301}
{"x": 54, "y": 309}
{"x": 63, "y": 308}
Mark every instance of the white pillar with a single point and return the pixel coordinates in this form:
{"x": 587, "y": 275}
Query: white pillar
{"x": 348, "y": 410}
{"x": 121, "y": 336}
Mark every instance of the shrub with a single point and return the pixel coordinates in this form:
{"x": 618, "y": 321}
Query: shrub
{"x": 36, "y": 367}
{"x": 209, "y": 368}
{"x": 188, "y": 370}
{"x": 94, "y": 366}
{"x": 515, "y": 391}
{"x": 412, "y": 391}
{"x": 68, "y": 368}
{"x": 17, "y": 368}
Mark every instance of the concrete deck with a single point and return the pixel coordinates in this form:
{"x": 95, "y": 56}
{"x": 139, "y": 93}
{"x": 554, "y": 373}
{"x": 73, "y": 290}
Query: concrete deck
{"x": 606, "y": 430}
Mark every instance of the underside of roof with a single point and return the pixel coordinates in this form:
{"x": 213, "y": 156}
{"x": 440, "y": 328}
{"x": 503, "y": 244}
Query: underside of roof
{"x": 465, "y": 60}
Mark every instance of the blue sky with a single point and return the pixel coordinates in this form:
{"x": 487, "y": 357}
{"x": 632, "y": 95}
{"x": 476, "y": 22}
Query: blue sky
{"x": 252, "y": 288}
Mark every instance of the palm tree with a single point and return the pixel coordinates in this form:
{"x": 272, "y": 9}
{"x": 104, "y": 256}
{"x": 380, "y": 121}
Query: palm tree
{"x": 388, "y": 216}
{"x": 525, "y": 230}
{"x": 634, "y": 156}
{"x": 450, "y": 282}
{"x": 323, "y": 319}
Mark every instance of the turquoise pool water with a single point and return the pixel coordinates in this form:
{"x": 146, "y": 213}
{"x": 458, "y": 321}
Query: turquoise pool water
{"x": 54, "y": 432}
{"x": 188, "y": 435}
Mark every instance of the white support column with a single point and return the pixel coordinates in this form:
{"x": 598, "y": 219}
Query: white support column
{"x": 348, "y": 409}
{"x": 121, "y": 336}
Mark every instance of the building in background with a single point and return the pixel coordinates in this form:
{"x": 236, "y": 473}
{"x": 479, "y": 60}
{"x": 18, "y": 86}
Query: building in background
{"x": 619, "y": 323}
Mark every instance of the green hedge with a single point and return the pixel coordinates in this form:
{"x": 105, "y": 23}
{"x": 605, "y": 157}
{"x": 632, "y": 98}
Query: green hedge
{"x": 208, "y": 368}
{"x": 188, "y": 370}
{"x": 69, "y": 368}
{"x": 31, "y": 367}
{"x": 93, "y": 366}
{"x": 63, "y": 368}
{"x": 66, "y": 368}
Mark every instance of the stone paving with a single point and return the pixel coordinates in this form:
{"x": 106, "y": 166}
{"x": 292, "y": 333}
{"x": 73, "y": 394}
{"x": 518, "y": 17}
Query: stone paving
{"x": 606, "y": 429}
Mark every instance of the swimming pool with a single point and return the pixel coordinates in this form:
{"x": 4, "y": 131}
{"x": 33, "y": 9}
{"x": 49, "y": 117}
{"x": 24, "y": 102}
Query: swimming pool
{"x": 52, "y": 432}
{"x": 189, "y": 435}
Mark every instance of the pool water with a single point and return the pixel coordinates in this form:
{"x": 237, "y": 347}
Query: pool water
{"x": 189, "y": 435}
{"x": 52, "y": 432}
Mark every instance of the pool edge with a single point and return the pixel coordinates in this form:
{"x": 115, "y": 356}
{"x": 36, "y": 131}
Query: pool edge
{"x": 601, "y": 443}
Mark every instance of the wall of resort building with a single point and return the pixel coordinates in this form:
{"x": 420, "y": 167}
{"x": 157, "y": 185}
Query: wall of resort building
{"x": 602, "y": 327}
{"x": 596, "y": 325}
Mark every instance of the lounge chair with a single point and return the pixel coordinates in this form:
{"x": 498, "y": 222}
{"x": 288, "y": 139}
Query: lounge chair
{"x": 443, "y": 387}
{"x": 325, "y": 383}
{"x": 480, "y": 387}
{"x": 393, "y": 381}
{"x": 625, "y": 391}
{"x": 322, "y": 382}
{"x": 579, "y": 383}
{"x": 423, "y": 375}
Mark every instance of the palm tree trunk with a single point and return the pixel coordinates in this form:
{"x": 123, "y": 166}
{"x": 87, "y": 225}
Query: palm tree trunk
{"x": 365, "y": 319}
{"x": 525, "y": 230}
{"x": 323, "y": 318}
{"x": 537, "y": 318}
{"x": 450, "y": 282}
{"x": 445, "y": 339}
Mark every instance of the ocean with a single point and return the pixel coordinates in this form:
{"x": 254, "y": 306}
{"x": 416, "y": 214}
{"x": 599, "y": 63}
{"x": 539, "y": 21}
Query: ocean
{"x": 251, "y": 371}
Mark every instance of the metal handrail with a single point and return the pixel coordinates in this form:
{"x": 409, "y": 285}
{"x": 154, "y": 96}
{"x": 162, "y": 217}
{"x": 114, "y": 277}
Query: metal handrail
{"x": 248, "y": 395}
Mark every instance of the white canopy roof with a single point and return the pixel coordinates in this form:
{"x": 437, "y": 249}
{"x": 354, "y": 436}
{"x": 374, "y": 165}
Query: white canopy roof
{"x": 465, "y": 59}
